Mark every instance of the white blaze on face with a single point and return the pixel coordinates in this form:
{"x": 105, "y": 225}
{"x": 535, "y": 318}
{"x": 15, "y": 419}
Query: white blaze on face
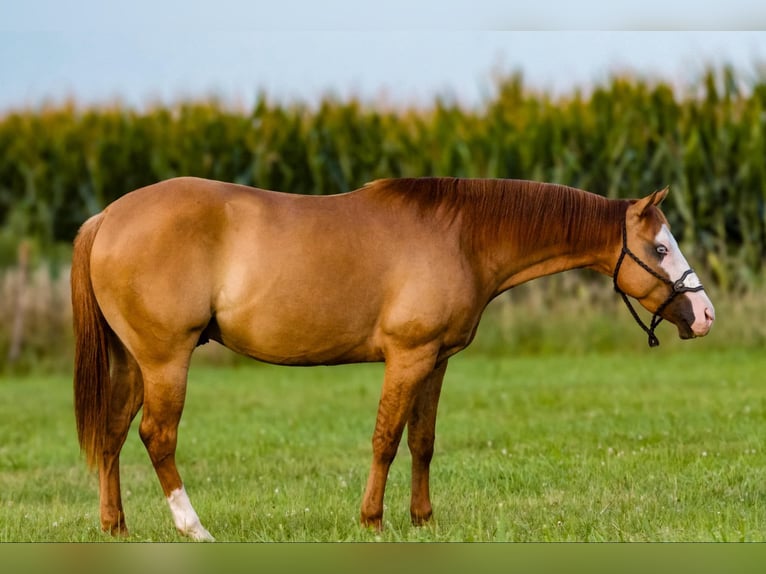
{"x": 675, "y": 264}
{"x": 185, "y": 518}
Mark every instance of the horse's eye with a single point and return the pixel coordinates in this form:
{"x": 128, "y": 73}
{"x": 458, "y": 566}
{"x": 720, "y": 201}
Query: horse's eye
{"x": 662, "y": 250}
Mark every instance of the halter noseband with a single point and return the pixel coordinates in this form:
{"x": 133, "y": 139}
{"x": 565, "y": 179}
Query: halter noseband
{"x": 678, "y": 287}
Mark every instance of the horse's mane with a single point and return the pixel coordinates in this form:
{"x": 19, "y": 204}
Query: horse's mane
{"x": 518, "y": 212}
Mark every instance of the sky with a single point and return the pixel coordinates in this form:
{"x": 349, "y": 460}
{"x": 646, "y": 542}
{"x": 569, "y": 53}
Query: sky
{"x": 395, "y": 52}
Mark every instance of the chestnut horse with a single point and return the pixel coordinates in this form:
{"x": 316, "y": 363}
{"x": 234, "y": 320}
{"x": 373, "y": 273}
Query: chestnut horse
{"x": 398, "y": 271}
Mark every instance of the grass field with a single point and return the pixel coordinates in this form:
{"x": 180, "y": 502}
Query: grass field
{"x": 666, "y": 446}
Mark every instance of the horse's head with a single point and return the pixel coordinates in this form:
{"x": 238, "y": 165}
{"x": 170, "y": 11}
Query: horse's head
{"x": 652, "y": 269}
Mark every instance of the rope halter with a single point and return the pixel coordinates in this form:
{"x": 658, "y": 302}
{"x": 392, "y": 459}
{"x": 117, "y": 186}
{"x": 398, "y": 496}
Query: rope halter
{"x": 677, "y": 286}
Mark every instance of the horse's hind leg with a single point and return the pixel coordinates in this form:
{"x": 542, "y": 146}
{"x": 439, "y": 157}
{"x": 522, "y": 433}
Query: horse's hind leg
{"x": 421, "y": 432}
{"x": 164, "y": 395}
{"x": 125, "y": 398}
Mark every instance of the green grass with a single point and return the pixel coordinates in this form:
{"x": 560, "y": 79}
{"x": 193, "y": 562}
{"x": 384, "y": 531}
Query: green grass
{"x": 666, "y": 446}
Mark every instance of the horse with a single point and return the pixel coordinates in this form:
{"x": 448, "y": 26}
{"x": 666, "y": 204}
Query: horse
{"x": 398, "y": 271}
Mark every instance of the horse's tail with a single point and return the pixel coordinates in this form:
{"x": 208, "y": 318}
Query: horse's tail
{"x": 91, "y": 358}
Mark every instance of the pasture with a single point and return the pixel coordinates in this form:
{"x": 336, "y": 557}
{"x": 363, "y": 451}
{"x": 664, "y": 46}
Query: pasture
{"x": 660, "y": 446}
{"x": 556, "y": 425}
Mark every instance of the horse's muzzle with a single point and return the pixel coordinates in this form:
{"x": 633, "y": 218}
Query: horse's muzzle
{"x": 702, "y": 318}
{"x": 702, "y": 326}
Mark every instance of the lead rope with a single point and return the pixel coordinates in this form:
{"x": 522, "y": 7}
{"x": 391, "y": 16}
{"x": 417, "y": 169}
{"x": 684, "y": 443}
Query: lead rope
{"x": 678, "y": 287}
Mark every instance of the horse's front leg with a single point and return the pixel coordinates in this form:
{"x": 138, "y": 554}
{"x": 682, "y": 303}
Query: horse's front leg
{"x": 406, "y": 372}
{"x": 421, "y": 432}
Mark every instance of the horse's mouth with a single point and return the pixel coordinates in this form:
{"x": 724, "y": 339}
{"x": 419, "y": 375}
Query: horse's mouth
{"x": 687, "y": 331}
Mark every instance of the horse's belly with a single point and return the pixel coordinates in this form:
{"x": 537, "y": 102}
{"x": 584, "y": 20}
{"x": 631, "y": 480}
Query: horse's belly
{"x": 287, "y": 340}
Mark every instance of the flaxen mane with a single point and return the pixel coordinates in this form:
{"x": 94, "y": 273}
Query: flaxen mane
{"x": 519, "y": 212}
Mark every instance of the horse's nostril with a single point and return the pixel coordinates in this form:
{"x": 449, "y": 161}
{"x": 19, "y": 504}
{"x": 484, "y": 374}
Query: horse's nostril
{"x": 709, "y": 315}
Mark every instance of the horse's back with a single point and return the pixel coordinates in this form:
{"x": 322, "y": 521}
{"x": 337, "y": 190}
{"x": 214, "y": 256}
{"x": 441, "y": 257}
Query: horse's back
{"x": 281, "y": 277}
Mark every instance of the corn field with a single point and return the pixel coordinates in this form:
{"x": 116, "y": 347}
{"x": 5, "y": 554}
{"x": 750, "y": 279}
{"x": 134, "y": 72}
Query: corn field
{"x": 624, "y": 138}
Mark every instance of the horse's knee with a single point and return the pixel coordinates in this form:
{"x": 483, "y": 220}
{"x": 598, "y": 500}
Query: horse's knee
{"x": 384, "y": 448}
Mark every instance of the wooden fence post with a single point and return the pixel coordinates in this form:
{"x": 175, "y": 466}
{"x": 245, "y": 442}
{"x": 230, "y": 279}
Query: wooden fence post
{"x": 19, "y": 316}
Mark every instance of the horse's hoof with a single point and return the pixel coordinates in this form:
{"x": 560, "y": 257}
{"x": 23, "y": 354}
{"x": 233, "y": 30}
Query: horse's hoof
{"x": 198, "y": 533}
{"x": 373, "y": 523}
{"x": 421, "y": 519}
{"x": 116, "y": 530}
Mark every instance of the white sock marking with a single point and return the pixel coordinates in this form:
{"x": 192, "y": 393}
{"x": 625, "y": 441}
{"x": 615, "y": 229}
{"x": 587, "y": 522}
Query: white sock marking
{"x": 186, "y": 519}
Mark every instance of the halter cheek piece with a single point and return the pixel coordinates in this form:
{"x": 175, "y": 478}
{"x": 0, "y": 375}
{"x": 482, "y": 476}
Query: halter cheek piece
{"x": 678, "y": 288}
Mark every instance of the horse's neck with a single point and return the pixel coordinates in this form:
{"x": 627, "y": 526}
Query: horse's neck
{"x": 585, "y": 232}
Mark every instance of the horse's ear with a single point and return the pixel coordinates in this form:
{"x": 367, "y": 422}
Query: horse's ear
{"x": 659, "y": 195}
{"x": 640, "y": 206}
